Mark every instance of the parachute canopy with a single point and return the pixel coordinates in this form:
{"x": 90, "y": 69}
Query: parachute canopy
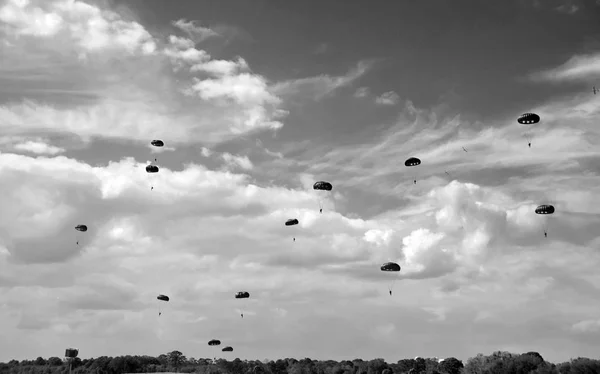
{"x": 157, "y": 143}
{"x": 71, "y": 352}
{"x": 528, "y": 118}
{"x": 82, "y": 228}
{"x": 214, "y": 342}
{"x": 242, "y": 295}
{"x": 390, "y": 266}
{"x": 163, "y": 297}
{"x": 322, "y": 185}
{"x": 151, "y": 169}
{"x": 227, "y": 349}
{"x": 291, "y": 222}
{"x": 544, "y": 209}
{"x": 413, "y": 161}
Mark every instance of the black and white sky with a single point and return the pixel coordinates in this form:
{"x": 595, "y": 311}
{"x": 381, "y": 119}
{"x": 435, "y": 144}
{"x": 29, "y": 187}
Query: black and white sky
{"x": 257, "y": 100}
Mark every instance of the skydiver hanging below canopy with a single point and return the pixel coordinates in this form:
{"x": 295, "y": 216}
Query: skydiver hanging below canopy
{"x": 242, "y": 295}
{"x": 412, "y": 162}
{"x": 151, "y": 169}
{"x": 157, "y": 143}
{"x": 161, "y": 298}
{"x": 291, "y": 222}
{"x": 390, "y": 267}
{"x": 528, "y": 119}
{"x": 80, "y": 228}
{"x": 322, "y": 186}
{"x": 545, "y": 210}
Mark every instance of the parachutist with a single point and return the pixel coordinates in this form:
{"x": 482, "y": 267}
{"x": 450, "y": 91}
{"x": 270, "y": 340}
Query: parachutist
{"x": 77, "y": 243}
{"x": 390, "y": 292}
{"x": 151, "y": 188}
{"x": 242, "y": 315}
{"x": 545, "y": 234}
{"x": 320, "y": 210}
{"x": 415, "y": 181}
{"x": 159, "y": 313}
{"x": 529, "y": 145}
{"x": 294, "y": 239}
{"x": 155, "y": 160}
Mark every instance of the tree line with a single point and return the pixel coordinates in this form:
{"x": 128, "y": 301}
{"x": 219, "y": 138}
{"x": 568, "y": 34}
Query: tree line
{"x": 175, "y": 361}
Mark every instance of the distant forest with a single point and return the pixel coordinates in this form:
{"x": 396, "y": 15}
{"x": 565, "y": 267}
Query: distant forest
{"x": 496, "y": 363}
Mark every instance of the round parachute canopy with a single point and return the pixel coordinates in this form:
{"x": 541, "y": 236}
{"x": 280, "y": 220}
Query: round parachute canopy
{"x": 163, "y": 297}
{"x": 322, "y": 185}
{"x": 82, "y": 228}
{"x": 528, "y": 118}
{"x": 214, "y": 342}
{"x": 71, "y": 352}
{"x": 227, "y": 349}
{"x": 157, "y": 143}
{"x": 291, "y": 222}
{"x": 413, "y": 161}
{"x": 151, "y": 169}
{"x": 544, "y": 209}
{"x": 242, "y": 295}
{"x": 390, "y": 266}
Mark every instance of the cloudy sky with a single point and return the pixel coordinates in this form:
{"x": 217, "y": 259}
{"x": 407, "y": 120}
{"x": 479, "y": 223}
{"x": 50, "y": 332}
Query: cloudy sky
{"x": 256, "y": 101}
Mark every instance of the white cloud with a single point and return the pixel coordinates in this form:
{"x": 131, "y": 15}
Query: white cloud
{"x": 198, "y": 33}
{"x": 35, "y": 145}
{"x": 39, "y": 148}
{"x": 587, "y": 326}
{"x": 239, "y": 161}
{"x": 206, "y": 152}
{"x": 387, "y": 98}
{"x": 316, "y": 88}
{"x": 578, "y": 68}
{"x": 88, "y": 26}
{"x": 361, "y": 92}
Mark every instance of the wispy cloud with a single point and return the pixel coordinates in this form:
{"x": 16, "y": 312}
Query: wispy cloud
{"x": 196, "y": 33}
{"x": 387, "y": 98}
{"x": 578, "y": 68}
{"x": 316, "y": 88}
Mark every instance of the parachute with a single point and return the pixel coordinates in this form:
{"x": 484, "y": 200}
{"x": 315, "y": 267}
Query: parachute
{"x": 227, "y": 349}
{"x": 411, "y": 162}
{"x": 161, "y": 298}
{"x": 242, "y": 295}
{"x": 214, "y": 342}
{"x": 322, "y": 186}
{"x": 545, "y": 209}
{"x": 391, "y": 267}
{"x": 157, "y": 143}
{"x": 151, "y": 169}
{"x": 291, "y": 222}
{"x": 528, "y": 119}
{"x": 80, "y": 228}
